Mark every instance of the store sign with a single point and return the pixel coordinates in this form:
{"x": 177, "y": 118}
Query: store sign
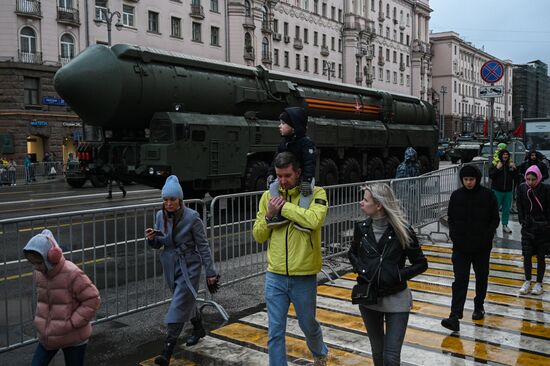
{"x": 39, "y": 123}
{"x": 72, "y": 124}
{"x": 53, "y": 101}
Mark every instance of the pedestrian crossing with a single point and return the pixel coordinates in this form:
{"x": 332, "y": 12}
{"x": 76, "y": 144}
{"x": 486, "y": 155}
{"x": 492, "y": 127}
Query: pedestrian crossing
{"x": 515, "y": 331}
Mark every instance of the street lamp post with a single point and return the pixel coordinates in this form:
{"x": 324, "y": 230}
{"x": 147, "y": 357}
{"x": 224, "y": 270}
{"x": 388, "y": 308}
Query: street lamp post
{"x": 463, "y": 107}
{"x": 443, "y": 91}
{"x": 109, "y": 15}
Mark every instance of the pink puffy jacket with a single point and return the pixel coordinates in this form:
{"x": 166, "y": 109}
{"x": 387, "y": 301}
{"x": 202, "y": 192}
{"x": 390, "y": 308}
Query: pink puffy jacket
{"x": 67, "y": 302}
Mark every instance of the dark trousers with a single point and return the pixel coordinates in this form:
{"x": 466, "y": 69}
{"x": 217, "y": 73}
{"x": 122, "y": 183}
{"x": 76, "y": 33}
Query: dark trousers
{"x": 386, "y": 345}
{"x": 119, "y": 182}
{"x": 461, "y": 267}
{"x": 541, "y": 263}
{"x": 74, "y": 356}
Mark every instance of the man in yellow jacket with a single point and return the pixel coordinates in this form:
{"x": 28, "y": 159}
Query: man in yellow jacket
{"x": 293, "y": 259}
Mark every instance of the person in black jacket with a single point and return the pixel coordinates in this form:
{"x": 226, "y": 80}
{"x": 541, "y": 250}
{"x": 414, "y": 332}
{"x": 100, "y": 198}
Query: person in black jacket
{"x": 533, "y": 202}
{"x": 381, "y": 244}
{"x": 293, "y": 126}
{"x": 533, "y": 157}
{"x": 503, "y": 176}
{"x": 473, "y": 219}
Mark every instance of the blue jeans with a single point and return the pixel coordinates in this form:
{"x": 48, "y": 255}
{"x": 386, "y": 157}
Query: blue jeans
{"x": 305, "y": 201}
{"x": 74, "y": 356}
{"x": 386, "y": 348}
{"x": 301, "y": 291}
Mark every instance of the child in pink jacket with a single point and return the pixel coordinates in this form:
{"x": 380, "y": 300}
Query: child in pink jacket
{"x": 67, "y": 302}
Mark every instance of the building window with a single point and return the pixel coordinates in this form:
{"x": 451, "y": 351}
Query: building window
{"x": 324, "y": 40}
{"x": 297, "y": 61}
{"x": 265, "y": 49}
{"x": 306, "y": 63}
{"x": 285, "y": 29}
{"x": 339, "y": 44}
{"x": 408, "y": 19}
{"x": 388, "y": 76}
{"x": 408, "y": 59}
{"x": 388, "y": 32}
{"x": 100, "y": 9}
{"x": 395, "y": 77}
{"x": 276, "y": 56}
{"x": 306, "y": 35}
{"x": 196, "y": 32}
{"x": 248, "y": 42}
{"x": 67, "y": 48}
{"x": 275, "y": 26}
{"x": 401, "y": 37}
{"x": 286, "y": 59}
{"x": 401, "y": 78}
{"x": 372, "y": 5}
{"x": 214, "y": 6}
{"x": 153, "y": 22}
{"x": 66, "y": 4}
{"x": 315, "y": 65}
{"x": 324, "y": 10}
{"x": 128, "y": 15}
{"x": 454, "y": 87}
{"x": 408, "y": 80}
{"x": 30, "y": 86}
{"x": 394, "y": 57}
{"x": 388, "y": 54}
{"x": 214, "y": 36}
{"x": 387, "y": 12}
{"x": 332, "y": 13}
{"x": 339, "y": 71}
{"x": 28, "y": 40}
{"x": 315, "y": 38}
{"x": 340, "y": 15}
{"x": 247, "y": 11}
{"x": 332, "y": 44}
{"x": 408, "y": 40}
{"x": 316, "y": 6}
{"x": 297, "y": 32}
{"x": 380, "y": 74}
{"x": 175, "y": 26}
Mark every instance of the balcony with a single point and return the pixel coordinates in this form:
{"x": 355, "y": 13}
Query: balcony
{"x": 395, "y": 21}
{"x": 401, "y": 66}
{"x": 358, "y": 79}
{"x": 381, "y": 16}
{"x": 28, "y": 8}
{"x": 249, "y": 53}
{"x": 277, "y": 36}
{"x": 369, "y": 78}
{"x": 197, "y": 11}
{"x": 249, "y": 23}
{"x": 352, "y": 25}
{"x": 370, "y": 29}
{"x": 30, "y": 57}
{"x": 298, "y": 44}
{"x": 287, "y": 39}
{"x": 324, "y": 51}
{"x": 68, "y": 16}
{"x": 402, "y": 26}
{"x": 265, "y": 27}
{"x": 381, "y": 61}
{"x": 266, "y": 59}
{"x": 64, "y": 60}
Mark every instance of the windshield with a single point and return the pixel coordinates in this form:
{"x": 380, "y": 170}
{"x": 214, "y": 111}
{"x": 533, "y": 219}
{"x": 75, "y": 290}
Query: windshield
{"x": 161, "y": 131}
{"x": 538, "y": 140}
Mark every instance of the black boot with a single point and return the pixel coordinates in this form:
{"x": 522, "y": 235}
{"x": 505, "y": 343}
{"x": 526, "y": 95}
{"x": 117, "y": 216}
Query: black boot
{"x": 123, "y": 192}
{"x": 198, "y": 331}
{"x": 109, "y": 196}
{"x": 164, "y": 358}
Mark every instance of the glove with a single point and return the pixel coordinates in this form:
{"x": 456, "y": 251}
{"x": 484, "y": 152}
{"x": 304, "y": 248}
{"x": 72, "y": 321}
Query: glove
{"x": 213, "y": 288}
{"x": 270, "y": 179}
{"x": 305, "y": 188}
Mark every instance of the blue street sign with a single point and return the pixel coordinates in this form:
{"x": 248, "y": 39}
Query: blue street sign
{"x": 53, "y": 101}
{"x": 492, "y": 71}
{"x": 39, "y": 123}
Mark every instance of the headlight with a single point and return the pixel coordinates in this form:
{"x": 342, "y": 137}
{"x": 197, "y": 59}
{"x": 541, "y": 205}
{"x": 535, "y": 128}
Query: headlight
{"x": 151, "y": 171}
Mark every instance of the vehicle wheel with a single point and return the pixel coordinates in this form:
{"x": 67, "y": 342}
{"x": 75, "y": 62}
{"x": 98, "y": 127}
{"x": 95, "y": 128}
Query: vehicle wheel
{"x": 76, "y": 183}
{"x": 391, "y": 167}
{"x": 328, "y": 172}
{"x": 454, "y": 160}
{"x": 256, "y": 176}
{"x": 425, "y": 164}
{"x": 350, "y": 171}
{"x": 375, "y": 169}
{"x": 98, "y": 181}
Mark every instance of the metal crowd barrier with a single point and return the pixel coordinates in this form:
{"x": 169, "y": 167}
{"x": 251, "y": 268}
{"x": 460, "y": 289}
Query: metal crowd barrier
{"x": 36, "y": 172}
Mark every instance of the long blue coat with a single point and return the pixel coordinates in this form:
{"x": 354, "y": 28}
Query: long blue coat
{"x": 186, "y": 249}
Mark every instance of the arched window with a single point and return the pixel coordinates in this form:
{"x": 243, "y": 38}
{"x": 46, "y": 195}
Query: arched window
{"x": 247, "y": 8}
{"x": 380, "y": 5}
{"x": 247, "y": 41}
{"x": 394, "y": 12}
{"x": 28, "y": 40}
{"x": 264, "y": 14}
{"x": 401, "y": 17}
{"x": 408, "y": 19}
{"x": 265, "y": 49}
{"x": 388, "y": 10}
{"x": 67, "y": 47}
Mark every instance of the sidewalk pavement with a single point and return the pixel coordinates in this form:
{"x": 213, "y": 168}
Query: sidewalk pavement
{"x": 515, "y": 331}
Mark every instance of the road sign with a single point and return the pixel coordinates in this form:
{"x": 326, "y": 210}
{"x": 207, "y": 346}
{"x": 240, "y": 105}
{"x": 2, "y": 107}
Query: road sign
{"x": 492, "y": 71}
{"x": 491, "y": 91}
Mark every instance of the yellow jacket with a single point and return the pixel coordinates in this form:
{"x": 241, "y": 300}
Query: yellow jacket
{"x": 292, "y": 252}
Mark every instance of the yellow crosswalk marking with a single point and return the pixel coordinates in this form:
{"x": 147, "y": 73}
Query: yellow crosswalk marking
{"x": 493, "y": 266}
{"x": 495, "y": 255}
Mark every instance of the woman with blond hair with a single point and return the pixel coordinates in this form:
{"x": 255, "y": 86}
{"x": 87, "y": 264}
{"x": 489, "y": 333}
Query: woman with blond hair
{"x": 381, "y": 244}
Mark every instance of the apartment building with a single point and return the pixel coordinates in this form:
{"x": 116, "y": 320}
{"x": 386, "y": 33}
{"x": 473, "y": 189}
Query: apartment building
{"x": 456, "y": 83}
{"x": 531, "y": 97}
{"x": 373, "y": 43}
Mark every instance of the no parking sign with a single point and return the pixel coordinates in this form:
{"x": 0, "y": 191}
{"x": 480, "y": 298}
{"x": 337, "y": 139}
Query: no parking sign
{"x": 492, "y": 71}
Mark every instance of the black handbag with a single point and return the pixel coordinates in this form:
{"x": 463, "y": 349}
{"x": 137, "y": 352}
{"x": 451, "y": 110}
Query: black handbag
{"x": 364, "y": 294}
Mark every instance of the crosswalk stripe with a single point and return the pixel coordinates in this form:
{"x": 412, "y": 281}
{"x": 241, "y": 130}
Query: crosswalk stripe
{"x": 295, "y": 347}
{"x": 422, "y": 307}
{"x": 515, "y": 256}
{"x": 492, "y": 266}
{"x": 492, "y": 279}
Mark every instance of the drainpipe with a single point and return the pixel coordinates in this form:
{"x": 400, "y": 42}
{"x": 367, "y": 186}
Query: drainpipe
{"x": 227, "y": 54}
{"x": 87, "y": 25}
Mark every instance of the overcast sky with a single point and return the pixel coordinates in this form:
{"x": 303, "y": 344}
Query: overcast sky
{"x": 509, "y": 29}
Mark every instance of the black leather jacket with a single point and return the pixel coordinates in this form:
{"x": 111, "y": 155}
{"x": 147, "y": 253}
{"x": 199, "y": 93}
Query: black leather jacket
{"x": 384, "y": 261}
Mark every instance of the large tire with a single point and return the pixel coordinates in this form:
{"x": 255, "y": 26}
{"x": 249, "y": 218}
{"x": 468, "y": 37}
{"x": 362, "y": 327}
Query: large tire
{"x": 98, "y": 181}
{"x": 76, "y": 183}
{"x": 375, "y": 169}
{"x": 391, "y": 167}
{"x": 425, "y": 164}
{"x": 455, "y": 160}
{"x": 256, "y": 176}
{"x": 350, "y": 171}
{"x": 328, "y": 172}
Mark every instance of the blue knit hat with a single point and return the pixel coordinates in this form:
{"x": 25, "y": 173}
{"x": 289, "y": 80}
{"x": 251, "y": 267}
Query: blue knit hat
{"x": 172, "y": 188}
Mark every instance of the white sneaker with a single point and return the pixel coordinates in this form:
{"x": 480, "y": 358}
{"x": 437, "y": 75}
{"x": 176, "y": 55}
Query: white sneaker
{"x": 506, "y": 229}
{"x": 537, "y": 289}
{"x": 525, "y": 288}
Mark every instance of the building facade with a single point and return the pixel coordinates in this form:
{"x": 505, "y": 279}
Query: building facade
{"x": 531, "y": 91}
{"x": 381, "y": 44}
{"x": 456, "y": 85}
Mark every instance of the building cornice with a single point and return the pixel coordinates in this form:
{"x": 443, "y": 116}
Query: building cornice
{"x": 301, "y": 14}
{"x": 453, "y": 36}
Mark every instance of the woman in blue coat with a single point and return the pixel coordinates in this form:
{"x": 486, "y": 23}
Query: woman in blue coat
{"x": 180, "y": 231}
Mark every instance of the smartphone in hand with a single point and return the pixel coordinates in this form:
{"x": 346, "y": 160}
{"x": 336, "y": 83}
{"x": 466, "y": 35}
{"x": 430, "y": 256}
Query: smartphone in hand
{"x": 158, "y": 233}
